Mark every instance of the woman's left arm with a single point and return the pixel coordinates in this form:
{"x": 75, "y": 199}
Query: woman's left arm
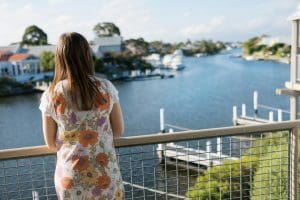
{"x": 49, "y": 129}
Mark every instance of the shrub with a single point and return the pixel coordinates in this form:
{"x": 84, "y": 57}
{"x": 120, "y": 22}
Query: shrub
{"x": 221, "y": 182}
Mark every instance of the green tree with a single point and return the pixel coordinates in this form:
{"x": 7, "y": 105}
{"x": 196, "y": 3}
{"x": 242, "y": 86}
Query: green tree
{"x": 106, "y": 29}
{"x": 34, "y": 35}
{"x": 263, "y": 169}
{"x": 99, "y": 66}
{"x": 47, "y": 60}
{"x": 137, "y": 47}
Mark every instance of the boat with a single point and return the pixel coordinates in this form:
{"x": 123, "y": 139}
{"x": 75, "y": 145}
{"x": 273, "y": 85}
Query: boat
{"x": 198, "y": 55}
{"x": 173, "y": 61}
{"x": 154, "y": 59}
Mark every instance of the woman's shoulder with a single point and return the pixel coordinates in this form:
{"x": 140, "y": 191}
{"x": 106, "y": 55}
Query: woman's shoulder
{"x": 104, "y": 83}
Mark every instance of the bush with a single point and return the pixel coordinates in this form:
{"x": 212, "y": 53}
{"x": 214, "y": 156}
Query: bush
{"x": 225, "y": 179}
{"x": 47, "y": 60}
{"x": 255, "y": 166}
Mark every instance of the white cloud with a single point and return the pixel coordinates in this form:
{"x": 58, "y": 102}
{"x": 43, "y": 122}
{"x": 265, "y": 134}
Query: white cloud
{"x": 132, "y": 17}
{"x": 214, "y": 25}
{"x": 142, "y": 18}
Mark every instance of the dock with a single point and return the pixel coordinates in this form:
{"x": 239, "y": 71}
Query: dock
{"x": 243, "y": 119}
{"x": 204, "y": 159}
{"x": 42, "y": 85}
{"x": 191, "y": 157}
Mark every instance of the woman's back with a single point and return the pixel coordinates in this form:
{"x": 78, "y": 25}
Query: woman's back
{"x": 87, "y": 166}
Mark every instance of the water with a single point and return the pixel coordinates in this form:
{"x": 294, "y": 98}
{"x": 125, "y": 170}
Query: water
{"x": 200, "y": 96}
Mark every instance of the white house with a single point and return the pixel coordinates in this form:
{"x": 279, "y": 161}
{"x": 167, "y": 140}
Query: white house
{"x": 103, "y": 45}
{"x": 22, "y": 66}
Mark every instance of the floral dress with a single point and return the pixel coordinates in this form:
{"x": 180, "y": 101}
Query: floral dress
{"x": 87, "y": 166}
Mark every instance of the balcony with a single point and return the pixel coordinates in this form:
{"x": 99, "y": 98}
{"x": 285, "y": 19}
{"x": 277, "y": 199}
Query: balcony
{"x": 246, "y": 162}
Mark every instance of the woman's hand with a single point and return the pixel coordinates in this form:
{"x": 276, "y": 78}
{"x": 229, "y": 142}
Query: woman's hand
{"x": 49, "y": 129}
{"x": 116, "y": 120}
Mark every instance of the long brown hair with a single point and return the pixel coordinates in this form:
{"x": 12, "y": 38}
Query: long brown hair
{"x": 74, "y": 63}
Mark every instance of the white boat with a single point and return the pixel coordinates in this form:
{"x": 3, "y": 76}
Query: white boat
{"x": 154, "y": 59}
{"x": 174, "y": 60}
{"x": 167, "y": 60}
{"x": 198, "y": 55}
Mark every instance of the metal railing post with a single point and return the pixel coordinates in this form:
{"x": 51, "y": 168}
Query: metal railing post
{"x": 293, "y": 178}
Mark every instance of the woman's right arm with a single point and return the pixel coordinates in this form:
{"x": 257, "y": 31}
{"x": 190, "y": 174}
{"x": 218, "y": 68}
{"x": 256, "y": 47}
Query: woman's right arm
{"x": 116, "y": 120}
{"x": 49, "y": 130}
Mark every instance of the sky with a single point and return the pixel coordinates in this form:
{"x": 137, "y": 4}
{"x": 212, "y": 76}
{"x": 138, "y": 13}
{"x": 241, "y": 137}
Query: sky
{"x": 166, "y": 20}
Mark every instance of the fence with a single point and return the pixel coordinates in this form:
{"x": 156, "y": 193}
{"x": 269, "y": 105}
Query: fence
{"x": 253, "y": 162}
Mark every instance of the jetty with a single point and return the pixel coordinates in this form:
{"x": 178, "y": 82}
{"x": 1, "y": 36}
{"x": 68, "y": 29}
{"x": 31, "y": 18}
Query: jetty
{"x": 195, "y": 158}
{"x": 243, "y": 119}
{"x": 41, "y": 85}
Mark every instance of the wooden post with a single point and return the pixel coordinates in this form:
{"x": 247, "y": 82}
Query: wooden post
{"x": 219, "y": 146}
{"x": 294, "y": 72}
{"x": 35, "y": 195}
{"x": 293, "y": 107}
{"x": 234, "y": 115}
{"x": 271, "y": 116}
{"x": 243, "y": 110}
{"x": 293, "y": 189}
{"x": 255, "y": 103}
{"x": 208, "y": 150}
{"x": 279, "y": 113}
{"x": 162, "y": 120}
{"x": 161, "y": 147}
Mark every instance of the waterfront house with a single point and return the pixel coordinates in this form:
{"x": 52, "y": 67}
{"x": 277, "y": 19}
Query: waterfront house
{"x": 22, "y": 66}
{"x": 6, "y": 67}
{"x": 104, "y": 45}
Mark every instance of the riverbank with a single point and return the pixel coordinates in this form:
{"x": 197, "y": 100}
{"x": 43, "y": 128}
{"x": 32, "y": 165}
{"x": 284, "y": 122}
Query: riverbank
{"x": 285, "y": 60}
{"x": 266, "y": 48}
{"x": 11, "y": 87}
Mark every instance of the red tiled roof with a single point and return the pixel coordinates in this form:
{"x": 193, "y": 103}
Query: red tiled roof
{"x": 19, "y": 56}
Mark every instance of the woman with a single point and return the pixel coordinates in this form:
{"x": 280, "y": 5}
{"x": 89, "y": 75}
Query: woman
{"x": 81, "y": 115}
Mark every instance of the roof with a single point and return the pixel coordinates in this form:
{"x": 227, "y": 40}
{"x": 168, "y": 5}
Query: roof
{"x": 108, "y": 41}
{"x": 19, "y": 56}
{"x": 37, "y": 50}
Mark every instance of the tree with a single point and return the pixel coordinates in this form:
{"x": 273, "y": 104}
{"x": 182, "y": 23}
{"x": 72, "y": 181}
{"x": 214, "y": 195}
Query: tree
{"x": 106, "y": 29}
{"x": 137, "y": 47}
{"x": 47, "y": 60}
{"x": 264, "y": 165}
{"x": 34, "y": 36}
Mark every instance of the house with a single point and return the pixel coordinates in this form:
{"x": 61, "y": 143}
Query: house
{"x": 6, "y": 67}
{"x": 22, "y": 62}
{"x": 22, "y": 66}
{"x": 104, "y": 45}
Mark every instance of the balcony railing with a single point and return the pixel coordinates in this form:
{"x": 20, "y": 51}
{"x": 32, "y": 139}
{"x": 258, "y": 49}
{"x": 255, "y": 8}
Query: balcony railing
{"x": 246, "y": 162}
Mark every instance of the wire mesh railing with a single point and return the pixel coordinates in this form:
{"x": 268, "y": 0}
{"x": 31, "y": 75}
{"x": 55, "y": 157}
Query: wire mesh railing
{"x": 251, "y": 162}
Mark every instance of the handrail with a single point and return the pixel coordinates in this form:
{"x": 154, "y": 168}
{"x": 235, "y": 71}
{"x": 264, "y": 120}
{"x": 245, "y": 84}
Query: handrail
{"x": 162, "y": 138}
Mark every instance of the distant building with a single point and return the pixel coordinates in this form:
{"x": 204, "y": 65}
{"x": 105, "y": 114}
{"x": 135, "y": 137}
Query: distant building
{"x": 103, "y": 45}
{"x": 33, "y": 50}
{"x": 22, "y": 62}
{"x": 268, "y": 41}
{"x": 22, "y": 66}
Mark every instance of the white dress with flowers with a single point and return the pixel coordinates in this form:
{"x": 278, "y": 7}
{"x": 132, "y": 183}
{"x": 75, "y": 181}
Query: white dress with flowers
{"x": 87, "y": 166}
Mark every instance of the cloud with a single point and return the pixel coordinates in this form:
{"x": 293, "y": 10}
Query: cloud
{"x": 134, "y": 19}
{"x": 212, "y": 26}
{"x": 298, "y": 10}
